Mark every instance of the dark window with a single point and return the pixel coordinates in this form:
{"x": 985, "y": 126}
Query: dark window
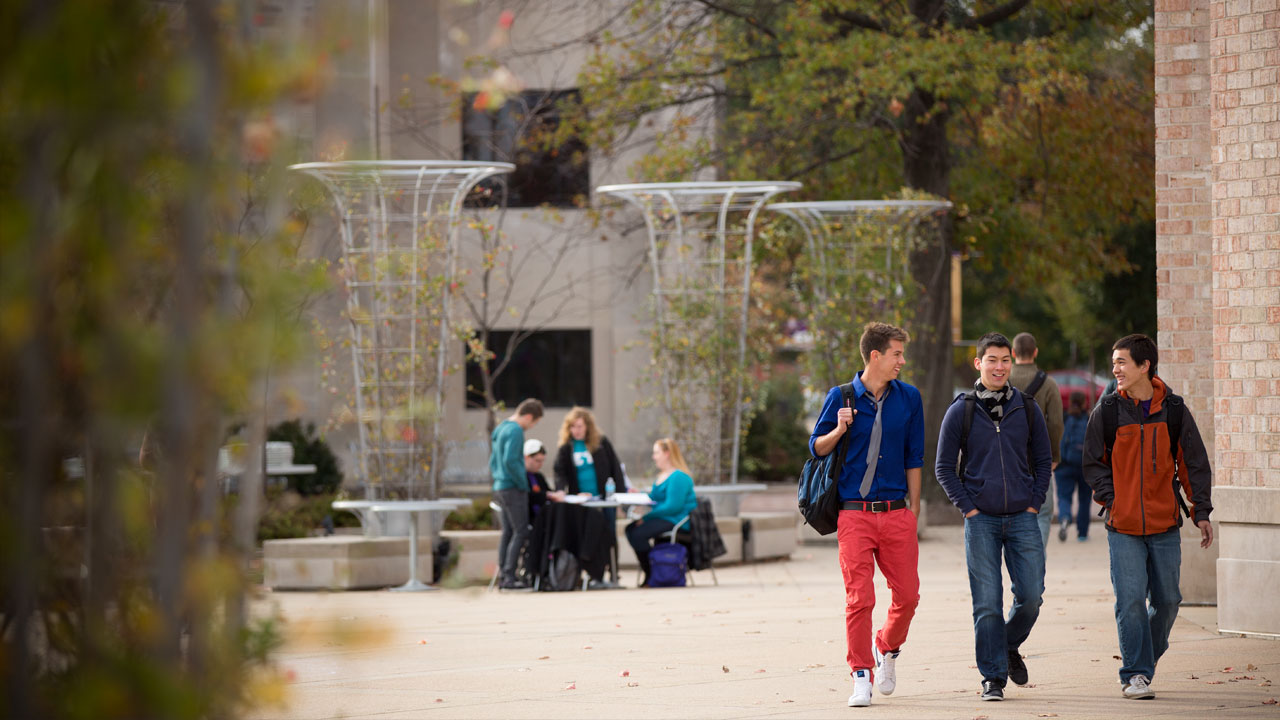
{"x": 553, "y": 366}
{"x": 521, "y": 132}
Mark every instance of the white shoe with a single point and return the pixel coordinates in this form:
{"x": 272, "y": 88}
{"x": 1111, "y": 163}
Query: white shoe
{"x": 861, "y": 696}
{"x": 1138, "y": 688}
{"x": 886, "y": 674}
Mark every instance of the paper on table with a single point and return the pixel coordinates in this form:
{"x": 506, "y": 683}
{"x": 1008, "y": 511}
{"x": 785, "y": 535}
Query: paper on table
{"x": 632, "y": 498}
{"x": 576, "y": 499}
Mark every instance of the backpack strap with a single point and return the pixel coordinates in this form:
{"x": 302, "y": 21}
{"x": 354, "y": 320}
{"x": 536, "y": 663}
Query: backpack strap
{"x": 1110, "y": 420}
{"x": 1026, "y": 397}
{"x": 1035, "y": 385}
{"x": 970, "y": 401}
{"x": 1174, "y": 409}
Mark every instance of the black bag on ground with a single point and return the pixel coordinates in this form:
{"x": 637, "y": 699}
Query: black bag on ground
{"x": 563, "y": 572}
{"x": 818, "y": 494}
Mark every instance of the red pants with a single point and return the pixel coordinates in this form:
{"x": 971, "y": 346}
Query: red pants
{"x": 889, "y": 539}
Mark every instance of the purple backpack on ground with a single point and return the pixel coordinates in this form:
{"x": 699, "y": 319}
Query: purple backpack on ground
{"x": 668, "y": 563}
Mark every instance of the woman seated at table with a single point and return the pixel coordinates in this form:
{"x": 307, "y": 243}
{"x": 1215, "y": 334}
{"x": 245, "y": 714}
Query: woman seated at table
{"x": 672, "y": 497}
{"x": 585, "y": 460}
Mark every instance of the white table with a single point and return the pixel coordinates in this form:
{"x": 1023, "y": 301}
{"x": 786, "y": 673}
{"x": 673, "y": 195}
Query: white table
{"x": 725, "y": 498}
{"x": 413, "y": 507}
{"x": 369, "y": 521}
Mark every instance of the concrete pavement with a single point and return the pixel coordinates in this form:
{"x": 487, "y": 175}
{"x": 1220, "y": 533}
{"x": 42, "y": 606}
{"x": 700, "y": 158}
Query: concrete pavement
{"x": 768, "y": 642}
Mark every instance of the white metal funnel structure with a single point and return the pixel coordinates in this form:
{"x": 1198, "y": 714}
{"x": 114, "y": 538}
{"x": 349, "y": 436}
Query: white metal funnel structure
{"x": 700, "y": 244}
{"x": 399, "y": 226}
{"x": 856, "y": 269}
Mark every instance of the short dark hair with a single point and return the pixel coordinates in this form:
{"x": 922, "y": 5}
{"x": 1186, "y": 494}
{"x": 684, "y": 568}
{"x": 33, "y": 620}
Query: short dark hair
{"x": 530, "y": 407}
{"x": 1142, "y": 349}
{"x": 1024, "y": 345}
{"x": 993, "y": 339}
{"x": 877, "y": 336}
{"x": 1078, "y": 401}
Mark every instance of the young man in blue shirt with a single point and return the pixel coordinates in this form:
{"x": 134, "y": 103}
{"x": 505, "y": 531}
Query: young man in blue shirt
{"x": 880, "y": 499}
{"x": 999, "y": 486}
{"x": 511, "y": 487}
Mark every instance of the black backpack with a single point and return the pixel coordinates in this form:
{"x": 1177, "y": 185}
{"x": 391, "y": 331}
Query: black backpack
{"x": 1174, "y": 409}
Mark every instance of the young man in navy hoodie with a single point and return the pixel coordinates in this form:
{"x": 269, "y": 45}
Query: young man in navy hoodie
{"x": 998, "y": 478}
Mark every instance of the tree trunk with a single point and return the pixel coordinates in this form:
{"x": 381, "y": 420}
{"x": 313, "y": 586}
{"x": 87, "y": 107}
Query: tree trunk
{"x": 927, "y": 166}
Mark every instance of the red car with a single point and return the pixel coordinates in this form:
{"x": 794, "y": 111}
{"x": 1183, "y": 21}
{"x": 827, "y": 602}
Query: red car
{"x": 1070, "y": 381}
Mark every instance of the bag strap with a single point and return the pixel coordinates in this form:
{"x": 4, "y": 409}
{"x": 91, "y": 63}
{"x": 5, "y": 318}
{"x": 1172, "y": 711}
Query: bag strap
{"x": 1174, "y": 409}
{"x": 1035, "y": 385}
{"x": 970, "y": 402}
{"x": 846, "y": 395}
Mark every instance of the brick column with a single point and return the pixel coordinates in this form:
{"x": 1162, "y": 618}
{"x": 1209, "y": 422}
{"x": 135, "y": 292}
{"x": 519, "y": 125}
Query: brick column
{"x": 1184, "y": 239}
{"x": 1245, "y": 120}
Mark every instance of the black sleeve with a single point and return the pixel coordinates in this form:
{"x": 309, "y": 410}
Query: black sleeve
{"x": 566, "y": 474}
{"x": 607, "y": 459}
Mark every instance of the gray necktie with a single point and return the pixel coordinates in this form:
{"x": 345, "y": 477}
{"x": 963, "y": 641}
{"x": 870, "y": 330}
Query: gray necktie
{"x": 873, "y": 446}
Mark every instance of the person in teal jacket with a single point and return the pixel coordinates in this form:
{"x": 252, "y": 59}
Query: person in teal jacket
{"x": 673, "y": 500}
{"x": 511, "y": 487}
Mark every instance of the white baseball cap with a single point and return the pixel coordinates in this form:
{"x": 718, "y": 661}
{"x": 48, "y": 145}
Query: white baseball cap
{"x": 533, "y": 446}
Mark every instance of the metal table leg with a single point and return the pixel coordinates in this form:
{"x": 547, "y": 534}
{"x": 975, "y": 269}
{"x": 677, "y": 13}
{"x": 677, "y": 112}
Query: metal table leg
{"x": 414, "y": 585}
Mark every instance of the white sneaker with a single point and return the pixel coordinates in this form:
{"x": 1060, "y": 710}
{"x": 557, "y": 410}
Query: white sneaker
{"x": 1138, "y": 688}
{"x": 861, "y": 696}
{"x": 886, "y": 674}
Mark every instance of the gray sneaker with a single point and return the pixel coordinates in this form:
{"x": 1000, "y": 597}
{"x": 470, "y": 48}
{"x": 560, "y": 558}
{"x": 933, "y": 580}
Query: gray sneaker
{"x": 1138, "y": 688}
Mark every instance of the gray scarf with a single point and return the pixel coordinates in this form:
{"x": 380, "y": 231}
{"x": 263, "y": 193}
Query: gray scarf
{"x": 994, "y": 400}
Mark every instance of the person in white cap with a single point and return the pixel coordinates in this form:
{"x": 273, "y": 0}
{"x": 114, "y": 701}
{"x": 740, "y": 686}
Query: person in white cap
{"x": 535, "y": 453}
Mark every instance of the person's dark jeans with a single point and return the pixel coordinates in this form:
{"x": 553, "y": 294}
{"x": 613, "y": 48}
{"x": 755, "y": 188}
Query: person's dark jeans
{"x": 1144, "y": 567}
{"x": 640, "y": 532}
{"x": 515, "y": 530}
{"x": 1017, "y": 538}
{"x": 1069, "y": 482}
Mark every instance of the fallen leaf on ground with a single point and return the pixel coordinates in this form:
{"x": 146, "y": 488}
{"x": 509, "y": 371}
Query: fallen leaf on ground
{"x": 625, "y": 673}
{"x": 1047, "y": 715}
{"x": 1269, "y": 701}
{"x": 760, "y": 670}
{"x": 787, "y": 701}
{"x": 439, "y": 699}
{"x": 633, "y": 684}
{"x": 422, "y": 642}
{"x": 724, "y": 668}
{"x": 571, "y": 686}
{"x": 1215, "y": 682}
{"x": 1116, "y": 657}
{"x": 1228, "y": 669}
{"x": 1078, "y": 627}
{"x": 1251, "y": 667}
{"x": 1095, "y": 660}
{"x": 1265, "y": 683}
{"x": 1243, "y": 677}
{"x": 1193, "y": 677}
{"x": 545, "y": 657}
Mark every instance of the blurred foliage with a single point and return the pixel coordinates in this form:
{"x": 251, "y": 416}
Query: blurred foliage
{"x": 290, "y": 515}
{"x": 309, "y": 449}
{"x": 776, "y": 445}
{"x": 149, "y": 278}
{"x": 476, "y": 516}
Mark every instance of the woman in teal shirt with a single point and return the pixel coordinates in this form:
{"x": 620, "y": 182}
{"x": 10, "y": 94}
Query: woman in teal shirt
{"x": 672, "y": 497}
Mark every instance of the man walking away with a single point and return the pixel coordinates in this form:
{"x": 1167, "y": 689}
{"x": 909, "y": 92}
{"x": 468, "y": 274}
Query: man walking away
{"x": 994, "y": 462}
{"x": 1142, "y": 455}
{"x": 880, "y": 492}
{"x": 1037, "y": 385}
{"x": 1069, "y": 475}
{"x": 511, "y": 488}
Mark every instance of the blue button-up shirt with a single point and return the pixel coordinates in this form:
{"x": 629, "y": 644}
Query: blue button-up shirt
{"x": 901, "y": 441}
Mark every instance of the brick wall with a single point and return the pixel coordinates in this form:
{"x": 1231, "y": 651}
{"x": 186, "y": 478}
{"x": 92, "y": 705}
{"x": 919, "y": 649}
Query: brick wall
{"x": 1184, "y": 240}
{"x": 1244, "y": 52}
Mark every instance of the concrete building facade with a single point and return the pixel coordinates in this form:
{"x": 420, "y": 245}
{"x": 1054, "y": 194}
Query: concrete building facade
{"x": 1218, "y": 275}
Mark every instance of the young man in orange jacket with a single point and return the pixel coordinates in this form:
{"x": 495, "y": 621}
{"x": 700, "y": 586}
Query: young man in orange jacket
{"x": 1142, "y": 454}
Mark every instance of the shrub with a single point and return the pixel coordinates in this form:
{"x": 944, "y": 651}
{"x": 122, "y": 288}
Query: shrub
{"x": 291, "y": 515}
{"x": 776, "y": 445}
{"x": 309, "y": 449}
{"x": 476, "y": 516}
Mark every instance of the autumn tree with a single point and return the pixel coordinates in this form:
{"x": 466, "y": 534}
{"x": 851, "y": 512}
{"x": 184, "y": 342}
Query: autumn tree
{"x": 1033, "y": 119}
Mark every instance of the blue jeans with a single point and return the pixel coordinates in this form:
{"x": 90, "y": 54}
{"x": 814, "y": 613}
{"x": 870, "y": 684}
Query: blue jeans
{"x": 986, "y": 538}
{"x": 1144, "y": 567}
{"x": 1070, "y": 483}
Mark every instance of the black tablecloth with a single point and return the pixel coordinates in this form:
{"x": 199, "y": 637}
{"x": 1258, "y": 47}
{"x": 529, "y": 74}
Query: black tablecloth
{"x": 586, "y": 532}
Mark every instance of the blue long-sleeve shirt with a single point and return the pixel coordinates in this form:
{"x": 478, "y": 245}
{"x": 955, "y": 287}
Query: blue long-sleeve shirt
{"x": 673, "y": 498}
{"x": 506, "y": 457}
{"x": 901, "y": 439}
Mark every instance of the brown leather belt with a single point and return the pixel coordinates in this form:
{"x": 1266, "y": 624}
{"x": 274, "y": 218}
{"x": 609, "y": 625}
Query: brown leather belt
{"x": 876, "y": 506}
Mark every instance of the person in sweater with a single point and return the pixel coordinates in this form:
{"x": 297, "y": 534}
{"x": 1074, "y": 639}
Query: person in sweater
{"x": 585, "y": 460}
{"x": 998, "y": 476}
{"x": 511, "y": 487}
{"x": 1069, "y": 475}
{"x": 673, "y": 500}
{"x": 1044, "y": 391}
{"x": 1139, "y": 475}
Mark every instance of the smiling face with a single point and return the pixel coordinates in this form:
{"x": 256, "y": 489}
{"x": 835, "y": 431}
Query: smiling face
{"x": 888, "y": 364}
{"x": 1128, "y": 373}
{"x": 578, "y": 429}
{"x": 994, "y": 366}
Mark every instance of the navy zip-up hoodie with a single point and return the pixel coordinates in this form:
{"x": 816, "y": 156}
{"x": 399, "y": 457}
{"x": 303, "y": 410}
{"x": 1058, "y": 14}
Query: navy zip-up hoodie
{"x": 998, "y": 480}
